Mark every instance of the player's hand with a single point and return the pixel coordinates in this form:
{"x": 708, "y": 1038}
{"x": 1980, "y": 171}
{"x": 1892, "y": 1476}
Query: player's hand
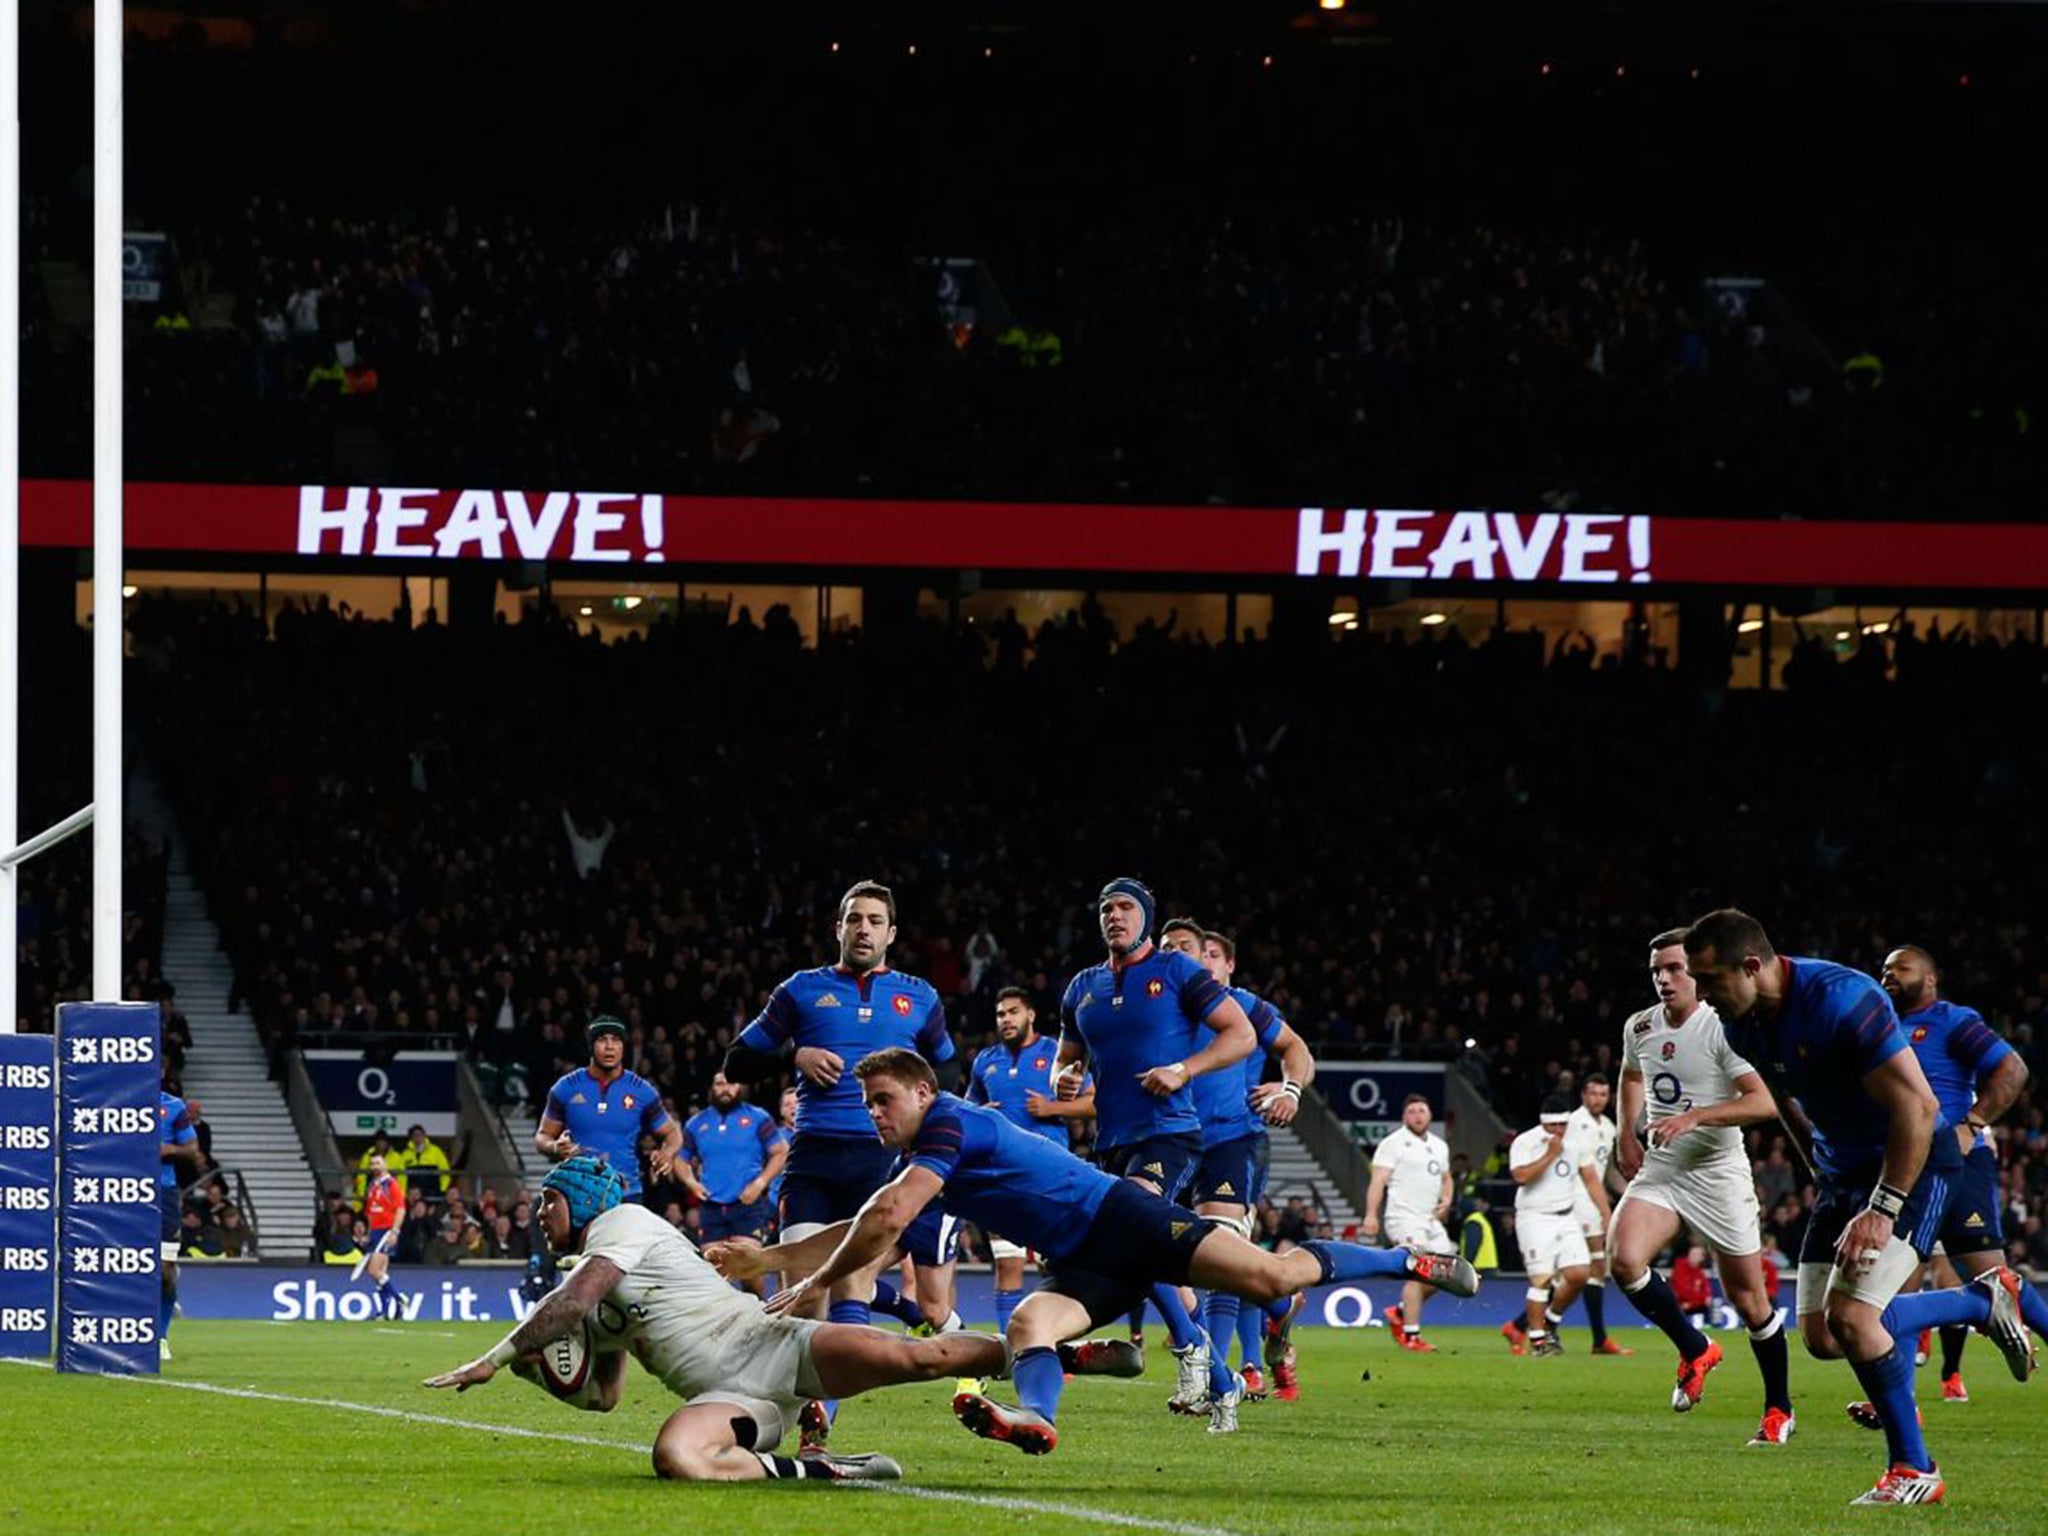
{"x": 753, "y": 1191}
{"x": 1066, "y": 1082}
{"x": 736, "y": 1260}
{"x": 662, "y": 1164}
{"x": 1161, "y": 1081}
{"x": 1862, "y": 1242}
{"x": 1038, "y": 1106}
{"x": 462, "y": 1378}
{"x": 789, "y": 1301}
{"x": 1628, "y": 1154}
{"x": 1666, "y": 1131}
{"x": 565, "y": 1145}
{"x": 819, "y": 1065}
{"x": 1368, "y": 1226}
{"x": 1274, "y": 1104}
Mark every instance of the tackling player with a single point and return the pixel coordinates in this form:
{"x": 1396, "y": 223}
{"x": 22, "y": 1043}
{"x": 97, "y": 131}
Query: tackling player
{"x": 1976, "y": 1077}
{"x": 602, "y": 1109}
{"x": 1594, "y": 1134}
{"x": 1885, "y": 1159}
{"x": 1550, "y": 1169}
{"x": 826, "y": 1018}
{"x": 1104, "y": 1240}
{"x": 741, "y": 1373}
{"x": 1411, "y": 1173}
{"x": 1676, "y": 1058}
{"x": 1149, "y": 1022}
{"x": 1015, "y": 1077}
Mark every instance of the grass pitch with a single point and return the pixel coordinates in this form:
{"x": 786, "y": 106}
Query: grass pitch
{"x": 260, "y": 1428}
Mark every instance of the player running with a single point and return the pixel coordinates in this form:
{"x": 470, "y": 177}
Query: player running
{"x": 827, "y": 1018}
{"x": 741, "y": 1373}
{"x": 1015, "y": 1078}
{"x": 1675, "y": 1058}
{"x": 1104, "y": 1241}
{"x": 1149, "y": 1022}
{"x": 1411, "y": 1174}
{"x": 602, "y": 1109}
{"x": 1231, "y": 1176}
{"x": 1976, "y": 1077}
{"x": 1593, "y": 1132}
{"x": 1886, "y": 1160}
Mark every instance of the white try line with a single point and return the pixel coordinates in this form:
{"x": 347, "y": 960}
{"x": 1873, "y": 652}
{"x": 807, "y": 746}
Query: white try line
{"x": 935, "y": 1495}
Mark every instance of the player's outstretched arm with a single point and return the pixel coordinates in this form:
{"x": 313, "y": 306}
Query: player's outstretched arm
{"x": 874, "y": 1232}
{"x": 563, "y": 1311}
{"x": 749, "y": 1261}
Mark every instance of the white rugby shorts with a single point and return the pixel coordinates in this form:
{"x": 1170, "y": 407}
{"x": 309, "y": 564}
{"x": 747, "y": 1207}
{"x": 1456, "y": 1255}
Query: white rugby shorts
{"x": 1715, "y": 1197}
{"x": 1550, "y": 1243}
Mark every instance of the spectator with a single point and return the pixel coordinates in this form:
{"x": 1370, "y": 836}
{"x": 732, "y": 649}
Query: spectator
{"x": 421, "y": 1165}
{"x": 236, "y": 1240}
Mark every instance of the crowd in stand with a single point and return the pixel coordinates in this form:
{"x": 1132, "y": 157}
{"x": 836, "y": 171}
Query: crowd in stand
{"x": 1296, "y": 357}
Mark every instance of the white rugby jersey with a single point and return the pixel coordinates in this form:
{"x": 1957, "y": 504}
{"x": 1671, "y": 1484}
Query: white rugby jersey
{"x": 1593, "y": 1136}
{"x": 1552, "y": 1191}
{"x": 1685, "y": 1065}
{"x": 1415, "y": 1173}
{"x": 669, "y": 1306}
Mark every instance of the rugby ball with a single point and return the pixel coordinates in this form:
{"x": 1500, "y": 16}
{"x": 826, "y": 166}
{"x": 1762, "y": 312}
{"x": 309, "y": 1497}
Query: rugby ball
{"x": 564, "y": 1364}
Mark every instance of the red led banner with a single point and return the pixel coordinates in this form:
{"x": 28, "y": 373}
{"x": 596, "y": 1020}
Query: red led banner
{"x": 636, "y": 529}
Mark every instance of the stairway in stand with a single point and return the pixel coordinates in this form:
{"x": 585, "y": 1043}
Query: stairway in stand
{"x": 252, "y": 1127}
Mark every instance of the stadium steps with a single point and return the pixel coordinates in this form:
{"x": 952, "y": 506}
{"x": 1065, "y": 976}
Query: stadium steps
{"x": 226, "y": 1071}
{"x": 520, "y": 1123}
{"x": 1295, "y": 1171}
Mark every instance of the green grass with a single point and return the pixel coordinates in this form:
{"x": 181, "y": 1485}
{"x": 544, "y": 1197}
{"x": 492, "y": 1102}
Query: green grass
{"x": 1465, "y": 1442}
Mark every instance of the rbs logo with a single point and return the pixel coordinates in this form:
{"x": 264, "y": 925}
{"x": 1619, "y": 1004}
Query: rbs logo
{"x": 90, "y": 1191}
{"x": 113, "y": 1261}
{"x": 121, "y": 1050}
{"x": 96, "y": 1120}
{"x": 27, "y": 1138}
{"x": 26, "y": 1077}
{"x": 25, "y": 1261}
{"x": 16, "y": 1198}
{"x": 113, "y": 1330}
{"x": 24, "y": 1320}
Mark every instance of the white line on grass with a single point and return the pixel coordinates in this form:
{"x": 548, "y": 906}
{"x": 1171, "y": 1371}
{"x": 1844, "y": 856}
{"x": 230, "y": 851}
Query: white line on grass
{"x": 936, "y": 1495}
{"x": 417, "y": 1333}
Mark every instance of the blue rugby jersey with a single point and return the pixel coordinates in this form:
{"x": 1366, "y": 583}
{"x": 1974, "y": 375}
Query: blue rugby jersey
{"x": 607, "y": 1118}
{"x": 1223, "y": 1099}
{"x": 1957, "y": 1051}
{"x": 173, "y": 1125}
{"x": 850, "y": 1014}
{"x": 1132, "y": 1018}
{"x": 1833, "y": 1027}
{"x": 731, "y": 1147}
{"x": 1007, "y": 1180}
{"x": 1001, "y": 1079}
